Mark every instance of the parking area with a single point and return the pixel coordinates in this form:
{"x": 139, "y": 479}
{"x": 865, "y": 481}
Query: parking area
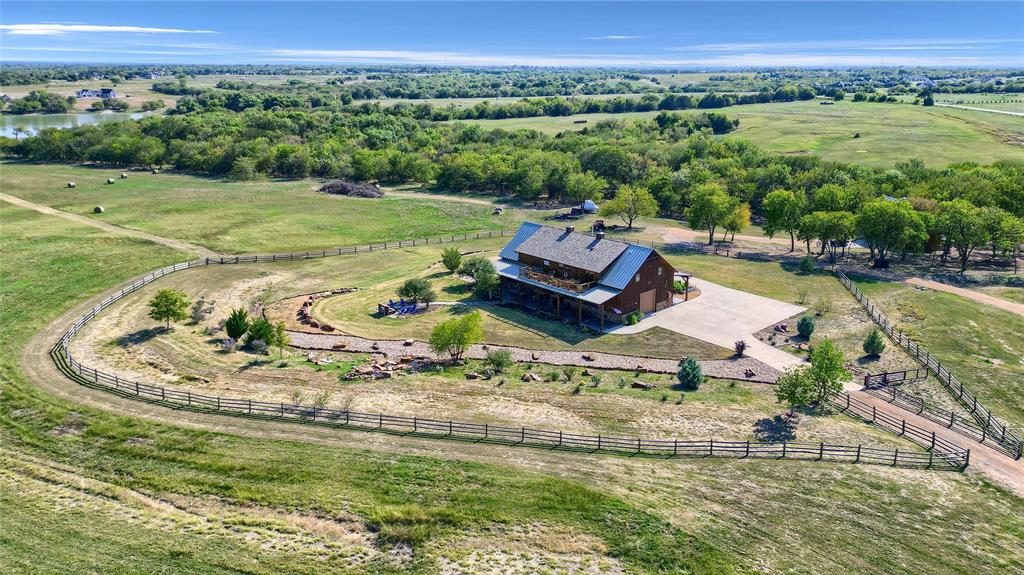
{"x": 722, "y": 316}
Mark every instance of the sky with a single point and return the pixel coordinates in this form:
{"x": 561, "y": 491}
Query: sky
{"x": 698, "y": 35}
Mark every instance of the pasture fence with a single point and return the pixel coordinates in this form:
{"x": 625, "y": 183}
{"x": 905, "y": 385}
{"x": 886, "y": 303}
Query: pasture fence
{"x": 938, "y": 454}
{"x": 995, "y": 429}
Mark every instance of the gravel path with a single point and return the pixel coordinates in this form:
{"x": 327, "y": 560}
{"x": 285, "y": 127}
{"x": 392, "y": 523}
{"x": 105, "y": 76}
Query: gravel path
{"x": 720, "y": 368}
{"x": 1012, "y": 307}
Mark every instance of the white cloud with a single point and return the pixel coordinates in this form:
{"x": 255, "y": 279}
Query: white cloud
{"x": 748, "y": 59}
{"x": 873, "y": 45}
{"x": 615, "y": 37}
{"x": 55, "y": 29}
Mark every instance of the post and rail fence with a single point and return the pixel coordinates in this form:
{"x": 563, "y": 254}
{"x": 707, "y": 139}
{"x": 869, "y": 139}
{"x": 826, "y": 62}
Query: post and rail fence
{"x": 938, "y": 454}
{"x": 995, "y": 430}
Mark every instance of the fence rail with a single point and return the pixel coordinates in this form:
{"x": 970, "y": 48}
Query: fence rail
{"x": 895, "y": 377}
{"x": 939, "y": 454}
{"x": 995, "y": 429}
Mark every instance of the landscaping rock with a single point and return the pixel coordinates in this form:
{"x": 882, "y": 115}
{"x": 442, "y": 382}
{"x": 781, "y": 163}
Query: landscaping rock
{"x": 472, "y": 375}
{"x": 408, "y": 343}
{"x": 340, "y": 345}
{"x": 643, "y": 385}
{"x": 528, "y": 377}
{"x": 588, "y": 357}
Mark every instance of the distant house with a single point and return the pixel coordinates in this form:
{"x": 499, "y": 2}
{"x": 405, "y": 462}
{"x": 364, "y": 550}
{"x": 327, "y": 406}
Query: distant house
{"x": 561, "y": 271}
{"x": 5, "y": 98}
{"x": 101, "y": 93}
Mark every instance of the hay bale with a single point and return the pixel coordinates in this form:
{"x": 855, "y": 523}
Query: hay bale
{"x": 97, "y": 210}
{"x": 71, "y": 184}
{"x": 124, "y": 175}
{"x": 110, "y": 180}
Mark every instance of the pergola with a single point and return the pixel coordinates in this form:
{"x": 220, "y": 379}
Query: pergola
{"x": 685, "y": 278}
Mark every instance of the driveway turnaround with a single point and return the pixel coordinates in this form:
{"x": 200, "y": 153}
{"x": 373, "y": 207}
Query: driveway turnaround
{"x": 722, "y": 315}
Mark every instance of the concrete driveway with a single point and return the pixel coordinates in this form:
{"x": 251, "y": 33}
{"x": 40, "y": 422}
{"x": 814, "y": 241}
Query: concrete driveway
{"x": 722, "y": 315}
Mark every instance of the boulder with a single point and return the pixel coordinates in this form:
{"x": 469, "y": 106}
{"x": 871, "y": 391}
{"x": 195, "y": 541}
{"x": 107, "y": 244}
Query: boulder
{"x": 534, "y": 356}
{"x": 408, "y": 343}
{"x": 375, "y": 346}
{"x": 588, "y": 357}
{"x": 587, "y": 373}
{"x": 326, "y": 327}
{"x": 637, "y": 384}
{"x": 749, "y": 373}
{"x": 472, "y": 375}
{"x": 528, "y": 377}
{"x": 340, "y": 345}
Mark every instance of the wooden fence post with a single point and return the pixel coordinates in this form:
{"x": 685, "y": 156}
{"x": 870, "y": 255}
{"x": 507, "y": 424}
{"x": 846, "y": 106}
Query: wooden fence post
{"x": 858, "y": 455}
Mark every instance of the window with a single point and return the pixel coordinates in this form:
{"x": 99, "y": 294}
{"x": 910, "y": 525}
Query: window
{"x": 637, "y": 278}
{"x": 659, "y": 271}
{"x": 547, "y": 263}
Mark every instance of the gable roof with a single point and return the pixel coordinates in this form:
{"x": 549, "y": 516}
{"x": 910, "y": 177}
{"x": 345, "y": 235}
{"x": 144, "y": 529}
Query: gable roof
{"x": 625, "y": 267}
{"x": 525, "y": 230}
{"x": 571, "y": 248}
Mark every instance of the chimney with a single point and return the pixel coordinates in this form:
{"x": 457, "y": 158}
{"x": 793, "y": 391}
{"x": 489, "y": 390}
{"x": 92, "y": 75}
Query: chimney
{"x": 599, "y": 235}
{"x": 570, "y": 229}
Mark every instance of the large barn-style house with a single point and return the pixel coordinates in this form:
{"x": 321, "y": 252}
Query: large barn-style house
{"x": 585, "y": 277}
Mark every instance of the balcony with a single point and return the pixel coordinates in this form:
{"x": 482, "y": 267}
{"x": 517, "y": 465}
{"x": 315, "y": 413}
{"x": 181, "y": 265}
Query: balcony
{"x": 566, "y": 284}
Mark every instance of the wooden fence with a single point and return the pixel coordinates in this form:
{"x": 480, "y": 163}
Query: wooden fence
{"x": 896, "y": 377}
{"x": 995, "y": 429}
{"x": 939, "y": 453}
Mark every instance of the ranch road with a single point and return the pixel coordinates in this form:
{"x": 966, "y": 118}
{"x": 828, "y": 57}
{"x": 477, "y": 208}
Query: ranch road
{"x": 80, "y": 219}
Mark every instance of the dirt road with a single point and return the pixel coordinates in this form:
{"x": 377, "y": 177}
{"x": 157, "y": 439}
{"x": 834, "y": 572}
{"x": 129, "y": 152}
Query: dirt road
{"x": 1012, "y": 307}
{"x": 80, "y": 219}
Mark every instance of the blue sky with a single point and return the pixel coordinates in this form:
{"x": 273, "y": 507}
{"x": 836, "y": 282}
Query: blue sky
{"x": 621, "y": 34}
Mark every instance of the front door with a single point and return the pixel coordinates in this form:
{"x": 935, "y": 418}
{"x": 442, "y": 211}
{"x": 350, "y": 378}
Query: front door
{"x": 647, "y": 300}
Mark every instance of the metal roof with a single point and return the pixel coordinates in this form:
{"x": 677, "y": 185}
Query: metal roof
{"x": 574, "y": 249}
{"x": 526, "y": 229}
{"x": 596, "y": 295}
{"x": 625, "y": 267}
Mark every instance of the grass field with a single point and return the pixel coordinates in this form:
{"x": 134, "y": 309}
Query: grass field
{"x": 84, "y": 490}
{"x": 244, "y": 217}
{"x": 888, "y": 133}
{"x": 982, "y": 345}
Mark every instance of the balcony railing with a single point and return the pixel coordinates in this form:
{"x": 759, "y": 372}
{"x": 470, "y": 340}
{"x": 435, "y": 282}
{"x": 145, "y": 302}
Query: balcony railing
{"x": 561, "y": 283}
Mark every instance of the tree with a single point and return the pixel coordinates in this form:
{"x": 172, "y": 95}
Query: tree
{"x": 168, "y": 305}
{"x": 281, "y": 338}
{"x": 451, "y": 257}
{"x": 259, "y": 330}
{"x": 928, "y": 101}
{"x": 961, "y": 225}
{"x": 237, "y": 323}
{"x": 782, "y": 211}
{"x": 477, "y": 265}
{"x": 738, "y": 219}
{"x": 874, "y": 344}
{"x": 805, "y": 326}
{"x": 827, "y": 370}
{"x": 795, "y": 387}
{"x": 418, "y": 289}
{"x": 585, "y": 186}
{"x": 485, "y": 284}
{"x": 709, "y": 208}
{"x": 630, "y": 203}
{"x": 888, "y": 227}
{"x": 454, "y": 336}
{"x": 993, "y": 224}
{"x": 690, "y": 375}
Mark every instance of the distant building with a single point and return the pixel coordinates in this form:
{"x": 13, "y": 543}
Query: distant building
{"x": 101, "y": 93}
{"x": 5, "y": 98}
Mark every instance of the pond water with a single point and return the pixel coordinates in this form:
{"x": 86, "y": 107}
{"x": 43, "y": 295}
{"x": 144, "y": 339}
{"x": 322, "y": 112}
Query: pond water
{"x": 35, "y": 122}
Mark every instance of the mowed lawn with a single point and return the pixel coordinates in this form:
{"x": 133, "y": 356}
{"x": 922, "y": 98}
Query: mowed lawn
{"x": 244, "y": 217}
{"x": 889, "y": 133}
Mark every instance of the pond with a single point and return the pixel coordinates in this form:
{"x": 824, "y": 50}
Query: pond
{"x": 35, "y": 122}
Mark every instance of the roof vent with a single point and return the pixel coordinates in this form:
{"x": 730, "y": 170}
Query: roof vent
{"x": 599, "y": 235}
{"x": 570, "y": 229}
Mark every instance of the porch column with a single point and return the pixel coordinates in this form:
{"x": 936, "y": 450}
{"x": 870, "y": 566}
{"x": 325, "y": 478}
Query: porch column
{"x": 579, "y": 312}
{"x": 687, "y": 296}
{"x": 558, "y": 306}
{"x": 601, "y": 308}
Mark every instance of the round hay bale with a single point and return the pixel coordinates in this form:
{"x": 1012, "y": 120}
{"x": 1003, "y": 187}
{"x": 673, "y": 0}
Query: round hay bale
{"x": 156, "y": 170}
{"x": 97, "y": 210}
{"x": 124, "y": 175}
{"x": 71, "y": 184}
{"x": 110, "y": 180}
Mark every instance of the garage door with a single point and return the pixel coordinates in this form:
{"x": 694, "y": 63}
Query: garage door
{"x": 647, "y": 301}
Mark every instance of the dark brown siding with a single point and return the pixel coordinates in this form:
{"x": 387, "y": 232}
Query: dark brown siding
{"x": 629, "y": 300}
